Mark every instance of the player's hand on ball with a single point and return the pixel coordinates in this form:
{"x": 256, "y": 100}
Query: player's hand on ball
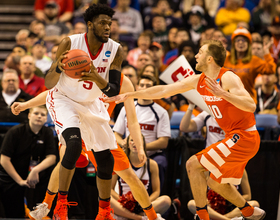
{"x": 61, "y": 65}
{"x": 90, "y": 76}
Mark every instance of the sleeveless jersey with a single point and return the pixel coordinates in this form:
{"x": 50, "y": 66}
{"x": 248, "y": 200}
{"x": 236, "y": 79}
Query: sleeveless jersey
{"x": 124, "y": 187}
{"x": 87, "y": 91}
{"x": 228, "y": 116}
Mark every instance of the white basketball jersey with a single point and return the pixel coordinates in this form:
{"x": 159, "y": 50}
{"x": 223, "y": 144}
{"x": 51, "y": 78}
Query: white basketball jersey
{"x": 213, "y": 131}
{"x": 87, "y": 91}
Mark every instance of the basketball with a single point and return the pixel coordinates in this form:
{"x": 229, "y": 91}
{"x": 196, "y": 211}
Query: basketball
{"x": 77, "y": 61}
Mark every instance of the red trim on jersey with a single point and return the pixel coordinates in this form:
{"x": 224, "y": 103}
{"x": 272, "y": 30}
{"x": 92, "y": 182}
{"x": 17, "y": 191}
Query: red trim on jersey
{"x": 52, "y": 111}
{"x": 91, "y": 56}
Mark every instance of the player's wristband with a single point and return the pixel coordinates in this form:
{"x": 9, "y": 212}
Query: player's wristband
{"x": 191, "y": 107}
{"x": 106, "y": 89}
{"x": 58, "y": 70}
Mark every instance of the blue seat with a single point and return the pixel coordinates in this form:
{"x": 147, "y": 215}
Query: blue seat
{"x": 176, "y": 119}
{"x": 266, "y": 120}
{"x": 175, "y": 123}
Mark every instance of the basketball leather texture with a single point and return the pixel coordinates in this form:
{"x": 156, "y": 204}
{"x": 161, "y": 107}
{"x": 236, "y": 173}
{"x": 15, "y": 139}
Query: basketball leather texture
{"x": 77, "y": 61}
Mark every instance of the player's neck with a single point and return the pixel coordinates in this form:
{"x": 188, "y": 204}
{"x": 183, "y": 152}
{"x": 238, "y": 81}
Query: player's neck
{"x": 145, "y": 101}
{"x": 212, "y": 71}
{"x": 93, "y": 43}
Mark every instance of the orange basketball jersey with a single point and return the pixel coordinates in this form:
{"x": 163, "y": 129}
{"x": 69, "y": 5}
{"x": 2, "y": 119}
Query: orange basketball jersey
{"x": 226, "y": 114}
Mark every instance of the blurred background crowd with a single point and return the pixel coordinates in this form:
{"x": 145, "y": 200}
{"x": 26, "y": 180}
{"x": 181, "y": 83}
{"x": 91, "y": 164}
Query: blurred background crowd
{"x": 153, "y": 33}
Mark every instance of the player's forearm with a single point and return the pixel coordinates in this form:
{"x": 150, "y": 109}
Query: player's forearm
{"x": 135, "y": 132}
{"x": 52, "y": 77}
{"x": 37, "y": 101}
{"x": 158, "y": 144}
{"x": 10, "y": 169}
{"x": 185, "y": 124}
{"x": 155, "y": 92}
{"x": 46, "y": 163}
{"x": 245, "y": 103}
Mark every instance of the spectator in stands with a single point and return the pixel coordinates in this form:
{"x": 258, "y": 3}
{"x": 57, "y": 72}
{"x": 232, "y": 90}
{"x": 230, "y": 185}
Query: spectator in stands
{"x": 42, "y": 61}
{"x": 209, "y": 6}
{"x": 26, "y": 147}
{"x": 19, "y": 50}
{"x": 268, "y": 96}
{"x": 143, "y": 60}
{"x": 217, "y": 205}
{"x": 194, "y": 23}
{"x": 115, "y": 30}
{"x": 21, "y": 36}
{"x": 154, "y": 123}
{"x": 219, "y": 35}
{"x": 65, "y": 12}
{"x": 79, "y": 28}
{"x": 275, "y": 31}
{"x": 149, "y": 175}
{"x": 256, "y": 36}
{"x": 207, "y": 20}
{"x": 125, "y": 53}
{"x": 144, "y": 41}
{"x": 246, "y": 65}
{"x": 278, "y": 75}
{"x": 163, "y": 8}
{"x": 79, "y": 8}
{"x": 39, "y": 28}
{"x": 182, "y": 35}
{"x": 130, "y": 72}
{"x": 157, "y": 55}
{"x": 11, "y": 93}
{"x": 171, "y": 43}
{"x": 30, "y": 40}
{"x": 257, "y": 50}
{"x": 188, "y": 49}
{"x": 130, "y": 22}
{"x": 28, "y": 81}
{"x": 262, "y": 15}
{"x": 53, "y": 52}
{"x": 160, "y": 30}
{"x": 54, "y": 28}
{"x": 12, "y": 62}
{"x": 229, "y": 16}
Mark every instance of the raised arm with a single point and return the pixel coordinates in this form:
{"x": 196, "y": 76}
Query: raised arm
{"x": 187, "y": 124}
{"x": 18, "y": 107}
{"x": 53, "y": 74}
{"x": 232, "y": 90}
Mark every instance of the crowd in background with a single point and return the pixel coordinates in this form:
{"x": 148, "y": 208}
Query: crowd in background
{"x": 153, "y": 34}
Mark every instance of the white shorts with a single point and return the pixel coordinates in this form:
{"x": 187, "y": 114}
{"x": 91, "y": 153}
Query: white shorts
{"x": 91, "y": 117}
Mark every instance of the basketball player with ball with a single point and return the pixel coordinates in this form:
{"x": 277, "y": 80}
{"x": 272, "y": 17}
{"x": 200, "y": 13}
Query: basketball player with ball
{"x": 77, "y": 111}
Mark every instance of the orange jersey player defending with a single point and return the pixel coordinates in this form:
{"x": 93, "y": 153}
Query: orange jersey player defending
{"x": 233, "y": 109}
{"x": 121, "y": 166}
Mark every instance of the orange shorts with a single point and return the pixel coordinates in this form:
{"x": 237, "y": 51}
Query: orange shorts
{"x": 121, "y": 161}
{"x": 226, "y": 160}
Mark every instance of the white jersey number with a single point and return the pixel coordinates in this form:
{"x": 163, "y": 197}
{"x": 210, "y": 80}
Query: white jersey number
{"x": 216, "y": 111}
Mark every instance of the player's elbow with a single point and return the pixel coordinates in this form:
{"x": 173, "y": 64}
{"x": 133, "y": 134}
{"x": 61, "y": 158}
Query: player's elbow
{"x": 252, "y": 107}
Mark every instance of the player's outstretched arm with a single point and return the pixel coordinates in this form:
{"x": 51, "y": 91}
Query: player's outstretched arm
{"x": 18, "y": 107}
{"x": 53, "y": 74}
{"x": 232, "y": 90}
{"x": 158, "y": 92}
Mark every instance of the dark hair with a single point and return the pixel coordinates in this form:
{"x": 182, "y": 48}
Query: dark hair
{"x": 217, "y": 51}
{"x": 21, "y": 46}
{"x": 186, "y": 43}
{"x": 127, "y": 151}
{"x": 95, "y": 10}
{"x": 152, "y": 78}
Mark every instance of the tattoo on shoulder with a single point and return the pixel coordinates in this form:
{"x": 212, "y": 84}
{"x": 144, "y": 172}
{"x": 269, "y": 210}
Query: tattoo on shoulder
{"x": 116, "y": 64}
